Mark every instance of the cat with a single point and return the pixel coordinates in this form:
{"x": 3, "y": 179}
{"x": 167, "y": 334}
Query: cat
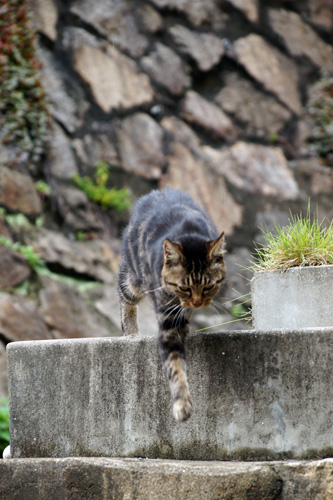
{"x": 172, "y": 251}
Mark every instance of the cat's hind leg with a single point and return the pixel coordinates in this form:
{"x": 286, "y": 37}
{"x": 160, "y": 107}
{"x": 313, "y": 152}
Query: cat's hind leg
{"x": 129, "y": 296}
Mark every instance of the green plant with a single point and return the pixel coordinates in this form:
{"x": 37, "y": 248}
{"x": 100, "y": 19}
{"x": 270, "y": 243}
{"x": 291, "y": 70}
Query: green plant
{"x": 43, "y": 188}
{"x": 97, "y": 191}
{"x": 303, "y": 242}
{"x": 4, "y": 424}
{"x": 17, "y": 222}
{"x": 24, "y": 110}
{"x": 320, "y": 108}
{"x": 273, "y": 138}
{"x": 81, "y": 285}
{"x": 29, "y": 253}
{"x": 39, "y": 222}
{"x": 81, "y": 236}
{"x": 238, "y": 311}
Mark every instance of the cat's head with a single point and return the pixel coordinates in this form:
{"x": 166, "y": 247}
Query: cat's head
{"x": 193, "y": 269}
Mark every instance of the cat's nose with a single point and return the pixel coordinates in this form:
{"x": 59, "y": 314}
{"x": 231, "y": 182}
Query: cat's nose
{"x": 197, "y": 301}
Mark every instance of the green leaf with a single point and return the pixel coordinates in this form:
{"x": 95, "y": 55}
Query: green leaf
{"x": 4, "y": 423}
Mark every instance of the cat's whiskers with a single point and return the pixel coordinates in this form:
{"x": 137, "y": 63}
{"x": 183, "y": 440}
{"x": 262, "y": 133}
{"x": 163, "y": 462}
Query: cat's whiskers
{"x": 220, "y": 307}
{"x": 171, "y": 310}
{"x": 155, "y": 290}
{"x": 173, "y": 305}
{"x": 178, "y": 317}
{"x": 212, "y": 308}
{"x": 171, "y": 300}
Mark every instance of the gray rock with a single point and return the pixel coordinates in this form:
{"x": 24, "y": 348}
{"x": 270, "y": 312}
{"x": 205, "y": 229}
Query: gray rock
{"x": 181, "y": 132}
{"x": 303, "y": 132}
{"x": 72, "y": 204}
{"x": 4, "y": 230}
{"x": 167, "y": 69}
{"x": 115, "y": 20}
{"x": 149, "y": 19}
{"x": 61, "y": 164}
{"x": 257, "y": 169}
{"x": 90, "y": 258}
{"x": 19, "y": 319}
{"x": 93, "y": 148}
{"x": 74, "y": 38}
{"x": 261, "y": 115}
{"x": 13, "y": 268}
{"x": 198, "y": 12}
{"x": 205, "y": 48}
{"x": 321, "y": 13}
{"x": 64, "y": 108}
{"x": 270, "y": 67}
{"x": 74, "y": 207}
{"x": 65, "y": 311}
{"x": 141, "y": 146}
{"x": 18, "y": 192}
{"x": 268, "y": 220}
{"x": 300, "y": 39}
{"x": 8, "y": 153}
{"x": 238, "y": 277}
{"x": 108, "y": 306}
{"x": 195, "y": 109}
{"x": 318, "y": 176}
{"x": 45, "y": 17}
{"x": 114, "y": 79}
{"x": 249, "y": 8}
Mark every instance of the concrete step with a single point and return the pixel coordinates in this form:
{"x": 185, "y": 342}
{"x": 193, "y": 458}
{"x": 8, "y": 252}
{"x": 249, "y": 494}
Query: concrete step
{"x": 135, "y": 479}
{"x": 256, "y": 396}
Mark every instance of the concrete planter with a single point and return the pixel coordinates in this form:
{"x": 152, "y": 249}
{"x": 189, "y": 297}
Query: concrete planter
{"x": 300, "y": 297}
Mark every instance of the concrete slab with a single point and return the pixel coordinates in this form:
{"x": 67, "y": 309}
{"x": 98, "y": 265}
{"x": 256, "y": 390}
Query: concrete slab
{"x": 256, "y": 395}
{"x": 300, "y": 297}
{"x": 116, "y": 479}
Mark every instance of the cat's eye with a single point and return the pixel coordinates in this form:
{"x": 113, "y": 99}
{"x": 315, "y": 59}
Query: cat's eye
{"x": 185, "y": 289}
{"x": 208, "y": 288}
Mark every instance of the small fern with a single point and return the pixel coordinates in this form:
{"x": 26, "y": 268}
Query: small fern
{"x": 97, "y": 191}
{"x": 29, "y": 253}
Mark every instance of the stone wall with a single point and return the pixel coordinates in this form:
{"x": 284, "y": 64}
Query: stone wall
{"x": 207, "y": 96}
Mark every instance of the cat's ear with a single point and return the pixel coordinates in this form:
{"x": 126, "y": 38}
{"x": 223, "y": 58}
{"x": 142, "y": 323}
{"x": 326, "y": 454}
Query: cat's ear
{"x": 172, "y": 253}
{"x": 216, "y": 248}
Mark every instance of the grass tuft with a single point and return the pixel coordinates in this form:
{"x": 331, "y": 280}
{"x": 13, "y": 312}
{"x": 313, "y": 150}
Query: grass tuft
{"x": 303, "y": 242}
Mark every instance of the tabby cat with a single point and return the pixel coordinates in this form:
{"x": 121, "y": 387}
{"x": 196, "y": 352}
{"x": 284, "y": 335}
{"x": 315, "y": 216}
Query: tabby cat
{"x": 172, "y": 251}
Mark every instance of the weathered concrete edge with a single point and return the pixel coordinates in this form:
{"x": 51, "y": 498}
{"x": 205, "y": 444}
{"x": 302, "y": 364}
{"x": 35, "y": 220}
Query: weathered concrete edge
{"x": 111, "y": 478}
{"x": 169, "y": 442}
{"x": 153, "y": 341}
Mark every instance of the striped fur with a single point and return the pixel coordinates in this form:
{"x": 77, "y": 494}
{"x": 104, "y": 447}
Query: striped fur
{"x": 171, "y": 251}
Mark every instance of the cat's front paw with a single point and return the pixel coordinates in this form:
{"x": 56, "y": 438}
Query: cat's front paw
{"x": 182, "y": 409}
